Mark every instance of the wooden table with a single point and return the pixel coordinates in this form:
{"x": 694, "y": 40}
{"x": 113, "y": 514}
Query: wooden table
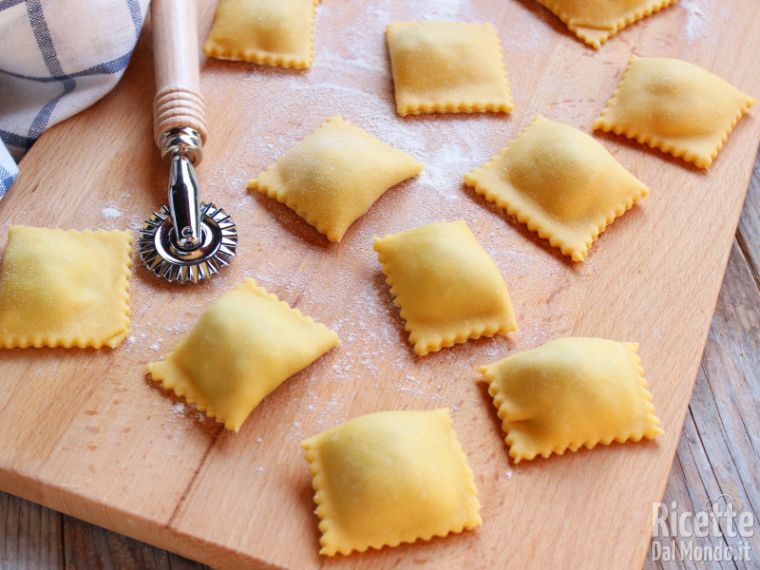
{"x": 719, "y": 451}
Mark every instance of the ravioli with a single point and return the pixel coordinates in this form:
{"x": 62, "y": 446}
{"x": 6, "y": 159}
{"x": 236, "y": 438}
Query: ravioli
{"x": 388, "y": 478}
{"x": 448, "y": 288}
{"x": 447, "y": 67}
{"x": 559, "y": 182}
{"x": 597, "y": 21}
{"x": 569, "y": 393}
{"x": 65, "y": 288}
{"x": 279, "y": 33}
{"x": 676, "y": 107}
{"x": 243, "y": 347}
{"x": 333, "y": 176}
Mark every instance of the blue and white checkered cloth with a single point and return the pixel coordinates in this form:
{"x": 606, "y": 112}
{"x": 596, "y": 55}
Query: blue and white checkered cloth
{"x": 57, "y": 57}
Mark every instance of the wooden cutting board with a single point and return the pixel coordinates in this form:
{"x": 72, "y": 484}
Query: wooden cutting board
{"x": 84, "y": 433}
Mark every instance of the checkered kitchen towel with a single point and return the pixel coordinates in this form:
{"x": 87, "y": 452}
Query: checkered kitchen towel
{"x": 57, "y": 57}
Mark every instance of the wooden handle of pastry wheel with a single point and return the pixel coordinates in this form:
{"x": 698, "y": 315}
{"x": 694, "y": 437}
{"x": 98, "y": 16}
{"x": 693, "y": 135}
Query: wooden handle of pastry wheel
{"x": 178, "y": 101}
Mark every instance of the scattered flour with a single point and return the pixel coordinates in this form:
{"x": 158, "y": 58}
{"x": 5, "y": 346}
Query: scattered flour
{"x": 696, "y": 21}
{"x": 110, "y": 212}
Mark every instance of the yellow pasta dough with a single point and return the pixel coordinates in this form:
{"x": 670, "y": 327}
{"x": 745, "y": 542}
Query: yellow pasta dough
{"x": 388, "y": 478}
{"x": 560, "y": 182}
{"x": 278, "y": 33}
{"x": 676, "y": 107}
{"x": 65, "y": 288}
{"x": 242, "y": 348}
{"x": 448, "y": 288}
{"x": 596, "y": 21}
{"x": 333, "y": 176}
{"x": 571, "y": 392}
{"x": 447, "y": 67}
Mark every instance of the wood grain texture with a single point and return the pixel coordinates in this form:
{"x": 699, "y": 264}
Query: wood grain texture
{"x": 111, "y": 449}
{"x": 719, "y": 451}
{"x": 178, "y": 102}
{"x": 748, "y": 234}
{"x": 87, "y": 547}
{"x": 31, "y": 536}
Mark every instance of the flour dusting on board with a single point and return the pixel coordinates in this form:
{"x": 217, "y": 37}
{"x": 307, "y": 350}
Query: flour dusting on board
{"x": 110, "y": 212}
{"x": 696, "y": 22}
{"x": 442, "y": 9}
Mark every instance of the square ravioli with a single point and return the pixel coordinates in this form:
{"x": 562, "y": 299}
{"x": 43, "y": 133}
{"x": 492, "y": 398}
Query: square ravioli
{"x": 333, "y": 176}
{"x": 244, "y": 346}
{"x": 674, "y": 106}
{"x": 559, "y": 182}
{"x": 447, "y": 67}
{"x": 596, "y": 22}
{"x": 571, "y": 392}
{"x": 390, "y": 477}
{"x": 448, "y": 288}
{"x": 277, "y": 33}
{"x": 65, "y": 288}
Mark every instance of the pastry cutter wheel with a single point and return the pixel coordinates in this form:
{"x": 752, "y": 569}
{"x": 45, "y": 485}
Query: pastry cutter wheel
{"x": 188, "y": 241}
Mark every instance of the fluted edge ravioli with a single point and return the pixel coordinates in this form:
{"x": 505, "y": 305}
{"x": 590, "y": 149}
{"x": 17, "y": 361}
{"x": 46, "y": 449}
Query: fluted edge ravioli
{"x": 243, "y": 347}
{"x": 594, "y": 30}
{"x": 570, "y": 393}
{"x": 559, "y": 182}
{"x": 674, "y": 106}
{"x": 389, "y": 478}
{"x": 448, "y": 67}
{"x": 334, "y": 175}
{"x": 260, "y": 31}
{"x": 65, "y": 288}
{"x": 446, "y": 285}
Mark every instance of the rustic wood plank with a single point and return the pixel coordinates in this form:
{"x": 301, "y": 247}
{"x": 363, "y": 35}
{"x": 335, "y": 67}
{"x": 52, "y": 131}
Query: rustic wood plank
{"x": 88, "y": 547}
{"x": 33, "y": 537}
{"x": 179, "y": 563}
{"x": 30, "y": 536}
{"x": 749, "y": 224}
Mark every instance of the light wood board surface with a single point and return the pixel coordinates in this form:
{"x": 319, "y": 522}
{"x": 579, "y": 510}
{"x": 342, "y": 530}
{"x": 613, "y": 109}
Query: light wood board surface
{"x": 85, "y": 434}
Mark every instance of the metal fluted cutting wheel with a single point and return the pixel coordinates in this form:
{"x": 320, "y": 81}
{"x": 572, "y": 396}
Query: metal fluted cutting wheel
{"x": 219, "y": 240}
